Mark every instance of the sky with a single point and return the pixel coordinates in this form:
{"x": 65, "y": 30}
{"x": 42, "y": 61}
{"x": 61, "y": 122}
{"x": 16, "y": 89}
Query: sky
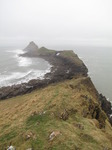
{"x": 51, "y": 22}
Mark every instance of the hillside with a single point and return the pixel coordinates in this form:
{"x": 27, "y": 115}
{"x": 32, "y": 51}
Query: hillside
{"x": 70, "y": 109}
{"x": 62, "y": 112}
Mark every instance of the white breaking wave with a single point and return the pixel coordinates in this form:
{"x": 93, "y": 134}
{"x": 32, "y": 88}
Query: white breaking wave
{"x": 18, "y": 77}
{"x": 80, "y": 57}
{"x": 24, "y": 61}
{"x": 17, "y": 51}
{"x": 22, "y": 69}
{"x": 8, "y": 79}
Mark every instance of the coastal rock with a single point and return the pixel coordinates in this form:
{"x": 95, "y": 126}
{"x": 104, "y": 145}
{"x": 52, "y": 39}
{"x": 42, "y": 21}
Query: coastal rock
{"x": 32, "y": 47}
{"x": 94, "y": 111}
{"x": 106, "y": 106}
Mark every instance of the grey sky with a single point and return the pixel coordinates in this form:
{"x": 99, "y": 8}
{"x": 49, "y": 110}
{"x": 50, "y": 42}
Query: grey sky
{"x": 56, "y": 21}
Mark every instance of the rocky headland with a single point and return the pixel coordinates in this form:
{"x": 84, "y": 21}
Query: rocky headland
{"x": 67, "y": 114}
{"x": 65, "y": 65}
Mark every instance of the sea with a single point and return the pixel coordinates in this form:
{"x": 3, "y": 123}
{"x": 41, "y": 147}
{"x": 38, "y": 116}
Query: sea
{"x": 99, "y": 63}
{"x": 15, "y": 69}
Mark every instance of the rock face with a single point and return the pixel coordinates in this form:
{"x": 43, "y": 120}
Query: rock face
{"x": 106, "y": 106}
{"x": 31, "y": 47}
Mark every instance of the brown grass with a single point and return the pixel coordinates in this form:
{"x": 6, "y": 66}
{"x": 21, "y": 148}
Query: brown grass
{"x": 20, "y": 116}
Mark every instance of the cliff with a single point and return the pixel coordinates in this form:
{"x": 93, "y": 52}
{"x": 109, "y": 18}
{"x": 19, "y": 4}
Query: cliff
{"x": 67, "y": 114}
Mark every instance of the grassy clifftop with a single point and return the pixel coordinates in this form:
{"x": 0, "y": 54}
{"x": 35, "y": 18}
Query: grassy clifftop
{"x": 62, "y": 113}
{"x": 32, "y": 50}
{"x": 62, "y": 116}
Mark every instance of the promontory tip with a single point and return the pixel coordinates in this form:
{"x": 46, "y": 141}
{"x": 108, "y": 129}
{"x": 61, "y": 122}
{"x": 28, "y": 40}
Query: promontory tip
{"x": 31, "y": 46}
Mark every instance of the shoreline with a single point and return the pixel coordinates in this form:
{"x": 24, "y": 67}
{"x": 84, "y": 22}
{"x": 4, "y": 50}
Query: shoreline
{"x": 64, "y": 67}
{"x": 61, "y": 69}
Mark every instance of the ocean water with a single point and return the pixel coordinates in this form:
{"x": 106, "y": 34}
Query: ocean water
{"x": 15, "y": 69}
{"x": 99, "y": 63}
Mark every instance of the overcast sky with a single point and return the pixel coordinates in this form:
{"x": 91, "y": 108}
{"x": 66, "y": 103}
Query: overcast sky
{"x": 51, "y": 22}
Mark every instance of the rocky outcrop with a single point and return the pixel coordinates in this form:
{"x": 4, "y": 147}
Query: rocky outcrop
{"x": 31, "y": 47}
{"x": 103, "y": 103}
{"x": 106, "y": 106}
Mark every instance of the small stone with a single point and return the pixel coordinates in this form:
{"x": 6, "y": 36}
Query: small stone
{"x": 28, "y": 136}
{"x": 11, "y": 148}
{"x": 53, "y": 135}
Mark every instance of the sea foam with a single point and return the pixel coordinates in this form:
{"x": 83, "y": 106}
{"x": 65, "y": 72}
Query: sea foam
{"x": 22, "y": 61}
{"x": 23, "y": 69}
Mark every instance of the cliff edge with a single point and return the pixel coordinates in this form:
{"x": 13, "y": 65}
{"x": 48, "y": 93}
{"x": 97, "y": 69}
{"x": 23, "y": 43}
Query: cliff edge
{"x": 67, "y": 114}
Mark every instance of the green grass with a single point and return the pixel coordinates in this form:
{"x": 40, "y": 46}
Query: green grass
{"x": 69, "y": 55}
{"x": 45, "y": 51}
{"x": 38, "y": 114}
{"x": 8, "y": 136}
{"x": 39, "y": 118}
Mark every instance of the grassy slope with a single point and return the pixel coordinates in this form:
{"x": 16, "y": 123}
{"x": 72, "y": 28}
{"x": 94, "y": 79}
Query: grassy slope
{"x": 38, "y": 114}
